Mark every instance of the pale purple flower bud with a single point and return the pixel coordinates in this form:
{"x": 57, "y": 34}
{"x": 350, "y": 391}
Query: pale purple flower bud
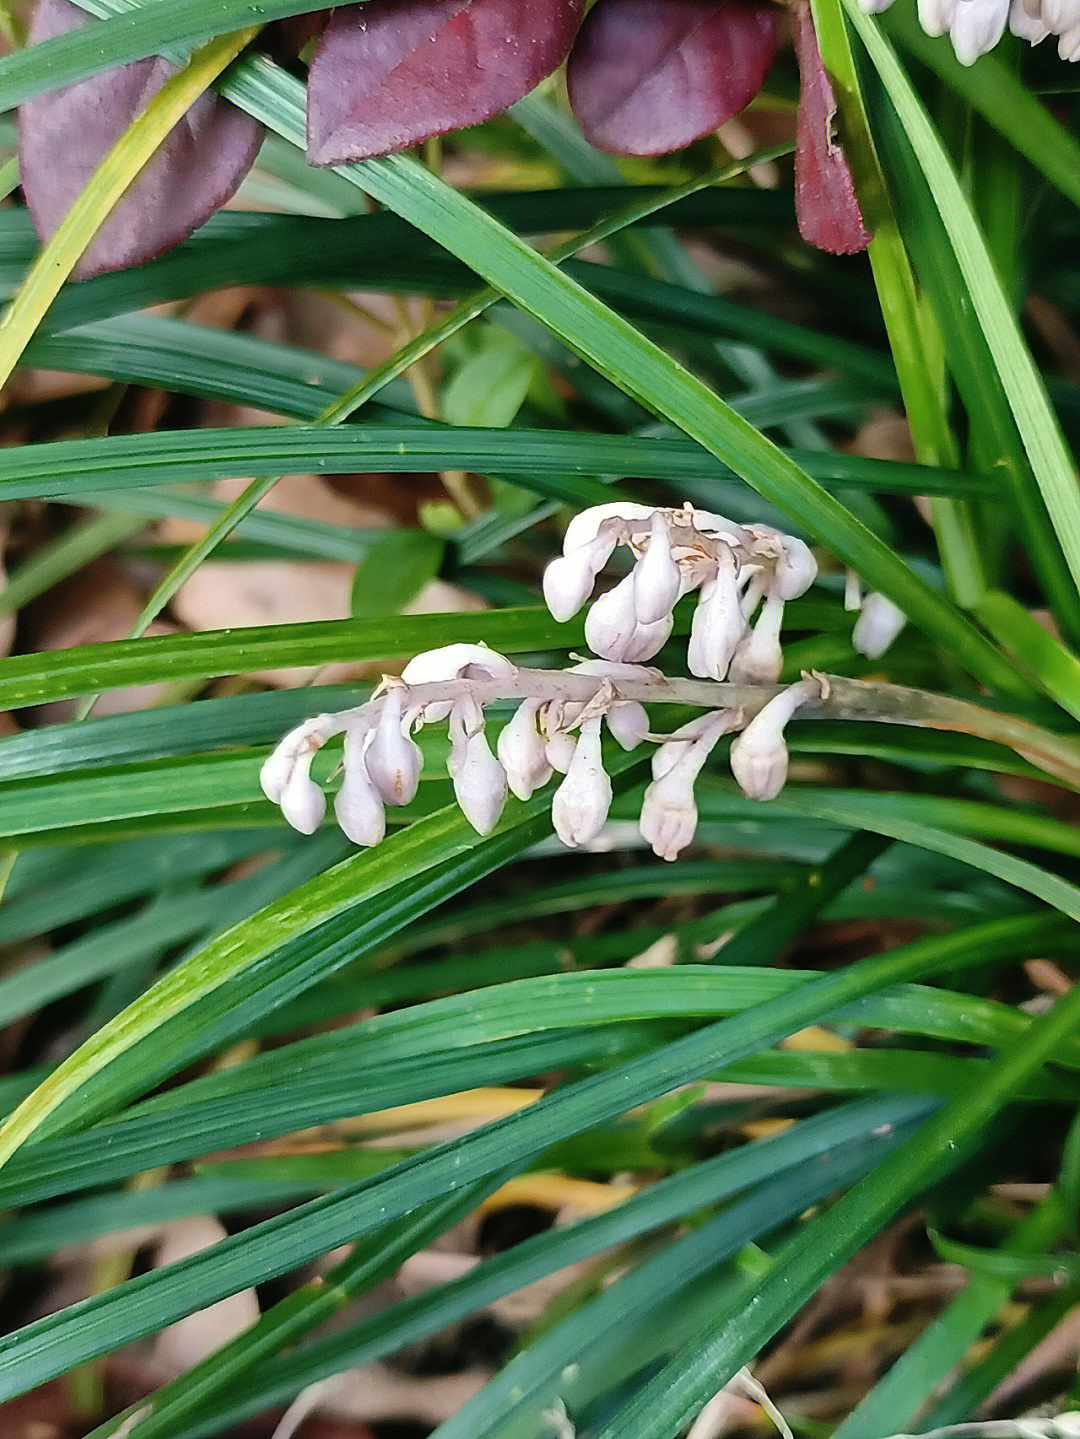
{"x": 580, "y": 807}
{"x": 452, "y": 662}
{"x": 976, "y": 27}
{"x": 936, "y": 16}
{"x": 569, "y": 579}
{"x": 648, "y": 640}
{"x": 679, "y": 742}
{"x": 302, "y": 801}
{"x": 585, "y": 526}
{"x": 796, "y": 569}
{"x": 479, "y": 779}
{"x": 610, "y": 624}
{"x": 1059, "y": 15}
{"x": 278, "y": 767}
{"x": 668, "y": 813}
{"x": 877, "y": 626}
{"x": 1027, "y": 22}
{"x": 392, "y": 759}
{"x": 759, "y": 659}
{"x": 522, "y": 751}
{"x": 559, "y": 751}
{"x": 718, "y": 623}
{"x": 656, "y": 575}
{"x": 759, "y": 756}
{"x": 627, "y": 722}
{"x": 358, "y": 806}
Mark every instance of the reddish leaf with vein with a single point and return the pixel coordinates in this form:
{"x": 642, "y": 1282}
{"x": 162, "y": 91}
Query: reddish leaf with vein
{"x": 64, "y": 134}
{"x": 390, "y": 73}
{"x": 825, "y": 202}
{"x": 650, "y": 76}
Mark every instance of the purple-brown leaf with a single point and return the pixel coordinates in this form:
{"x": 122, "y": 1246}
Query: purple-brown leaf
{"x": 390, "y": 73}
{"x": 64, "y": 134}
{"x": 650, "y": 76}
{"x": 825, "y": 202}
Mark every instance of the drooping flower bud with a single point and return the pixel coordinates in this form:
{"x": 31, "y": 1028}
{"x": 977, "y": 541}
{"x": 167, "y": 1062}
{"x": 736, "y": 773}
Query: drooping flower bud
{"x": 585, "y": 526}
{"x": 611, "y": 623}
{"x": 451, "y": 662}
{"x": 1026, "y": 23}
{"x": 479, "y": 779}
{"x": 679, "y": 741}
{"x": 796, "y": 569}
{"x": 392, "y": 759}
{"x": 656, "y": 575}
{"x": 522, "y": 752}
{"x": 559, "y": 750}
{"x": 759, "y": 756}
{"x": 580, "y": 807}
{"x": 358, "y": 806}
{"x": 879, "y": 623}
{"x": 627, "y": 722}
{"x": 278, "y": 767}
{"x": 302, "y": 801}
{"x": 936, "y": 16}
{"x": 977, "y": 26}
{"x": 668, "y": 813}
{"x": 758, "y": 660}
{"x": 569, "y": 578}
{"x": 648, "y": 640}
{"x": 718, "y": 623}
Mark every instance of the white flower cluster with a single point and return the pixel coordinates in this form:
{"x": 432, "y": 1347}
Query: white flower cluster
{"x": 975, "y": 26}
{"x": 382, "y": 762}
{"x": 733, "y": 567}
{"x": 739, "y": 571}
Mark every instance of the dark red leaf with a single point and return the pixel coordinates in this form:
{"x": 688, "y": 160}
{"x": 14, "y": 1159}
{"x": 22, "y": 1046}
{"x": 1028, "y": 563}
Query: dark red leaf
{"x": 64, "y": 134}
{"x": 390, "y": 73}
{"x": 649, "y": 76}
{"x": 825, "y": 202}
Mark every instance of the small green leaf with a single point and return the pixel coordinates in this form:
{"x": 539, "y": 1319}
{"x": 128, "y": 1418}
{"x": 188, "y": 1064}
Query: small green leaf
{"x": 395, "y": 569}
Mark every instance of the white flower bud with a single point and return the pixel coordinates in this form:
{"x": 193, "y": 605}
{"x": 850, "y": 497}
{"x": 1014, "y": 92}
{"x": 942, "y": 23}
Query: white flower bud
{"x": 673, "y": 749}
{"x": 668, "y": 813}
{"x": 278, "y": 767}
{"x": 559, "y": 750}
{"x": 1059, "y": 15}
{"x": 627, "y": 722}
{"x": 759, "y": 659}
{"x": 392, "y": 759}
{"x": 585, "y": 526}
{"x": 879, "y": 622}
{"x": 479, "y": 779}
{"x": 612, "y": 621}
{"x": 522, "y": 752}
{"x": 936, "y": 16}
{"x": 302, "y": 801}
{"x": 1025, "y": 25}
{"x": 569, "y": 579}
{"x": 451, "y": 661}
{"x": 718, "y": 623}
{"x": 648, "y": 640}
{"x": 796, "y": 569}
{"x": 656, "y": 575}
{"x": 580, "y": 807}
{"x": 759, "y": 756}
{"x": 976, "y": 27}
{"x": 874, "y": 7}
{"x": 1069, "y": 45}
{"x": 358, "y": 806}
